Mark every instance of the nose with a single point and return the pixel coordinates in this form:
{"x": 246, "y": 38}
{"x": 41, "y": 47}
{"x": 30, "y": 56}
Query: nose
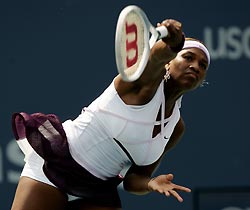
{"x": 195, "y": 67}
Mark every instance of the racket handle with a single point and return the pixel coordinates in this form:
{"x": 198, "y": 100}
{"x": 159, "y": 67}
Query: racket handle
{"x": 162, "y": 31}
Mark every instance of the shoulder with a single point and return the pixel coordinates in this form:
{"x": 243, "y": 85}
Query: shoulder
{"x": 176, "y": 135}
{"x": 178, "y": 130}
{"x": 137, "y": 92}
{"x": 180, "y": 126}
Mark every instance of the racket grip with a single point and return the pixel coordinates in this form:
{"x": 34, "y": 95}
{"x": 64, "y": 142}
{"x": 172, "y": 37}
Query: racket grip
{"x": 162, "y": 31}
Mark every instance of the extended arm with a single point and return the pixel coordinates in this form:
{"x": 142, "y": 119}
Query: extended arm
{"x": 143, "y": 89}
{"x": 138, "y": 179}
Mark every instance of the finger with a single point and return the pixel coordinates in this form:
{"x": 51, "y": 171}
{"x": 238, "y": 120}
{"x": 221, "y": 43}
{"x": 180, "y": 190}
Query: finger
{"x": 170, "y": 177}
{"x": 160, "y": 191}
{"x": 167, "y": 193}
{"x": 185, "y": 189}
{"x": 175, "y": 194}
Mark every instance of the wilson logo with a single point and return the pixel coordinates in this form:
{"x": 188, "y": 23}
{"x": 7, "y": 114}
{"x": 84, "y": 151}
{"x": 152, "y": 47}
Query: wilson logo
{"x": 131, "y": 44}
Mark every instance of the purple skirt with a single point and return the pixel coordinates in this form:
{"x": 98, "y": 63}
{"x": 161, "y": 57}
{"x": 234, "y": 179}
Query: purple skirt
{"x": 47, "y": 137}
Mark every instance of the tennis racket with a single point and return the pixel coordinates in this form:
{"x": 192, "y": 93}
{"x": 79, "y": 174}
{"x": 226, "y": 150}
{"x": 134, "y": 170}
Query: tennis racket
{"x": 134, "y": 38}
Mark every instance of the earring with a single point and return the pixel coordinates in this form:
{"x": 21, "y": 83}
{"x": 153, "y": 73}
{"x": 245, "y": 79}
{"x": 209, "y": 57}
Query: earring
{"x": 204, "y": 83}
{"x": 167, "y": 75}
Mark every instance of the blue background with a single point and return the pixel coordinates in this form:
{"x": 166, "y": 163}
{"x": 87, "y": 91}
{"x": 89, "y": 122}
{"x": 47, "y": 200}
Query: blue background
{"x": 57, "y": 56}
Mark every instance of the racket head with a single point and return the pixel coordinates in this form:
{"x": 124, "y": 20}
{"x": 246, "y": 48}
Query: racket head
{"x": 132, "y": 42}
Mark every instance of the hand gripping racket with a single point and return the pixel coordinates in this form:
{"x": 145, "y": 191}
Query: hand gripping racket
{"x": 134, "y": 38}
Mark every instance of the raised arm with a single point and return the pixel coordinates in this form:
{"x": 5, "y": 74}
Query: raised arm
{"x": 144, "y": 88}
{"x": 162, "y": 52}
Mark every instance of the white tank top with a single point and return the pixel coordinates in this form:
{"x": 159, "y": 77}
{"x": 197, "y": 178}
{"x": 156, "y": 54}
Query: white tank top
{"x": 91, "y": 135}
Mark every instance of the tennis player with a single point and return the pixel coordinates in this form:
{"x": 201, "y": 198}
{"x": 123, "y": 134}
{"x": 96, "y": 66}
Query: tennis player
{"x": 121, "y": 137}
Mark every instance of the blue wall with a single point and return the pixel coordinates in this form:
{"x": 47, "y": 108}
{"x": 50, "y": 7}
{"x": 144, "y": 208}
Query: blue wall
{"x": 56, "y": 56}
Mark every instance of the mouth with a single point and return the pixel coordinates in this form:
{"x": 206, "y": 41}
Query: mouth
{"x": 192, "y": 75}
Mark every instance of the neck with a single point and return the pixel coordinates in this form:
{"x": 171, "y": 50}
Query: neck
{"x": 172, "y": 93}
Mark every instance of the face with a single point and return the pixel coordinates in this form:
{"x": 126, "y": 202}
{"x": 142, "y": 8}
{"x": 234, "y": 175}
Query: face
{"x": 189, "y": 68}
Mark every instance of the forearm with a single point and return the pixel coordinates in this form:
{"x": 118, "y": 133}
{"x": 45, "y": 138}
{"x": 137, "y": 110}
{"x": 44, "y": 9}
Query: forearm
{"x": 136, "y": 184}
{"x": 160, "y": 55}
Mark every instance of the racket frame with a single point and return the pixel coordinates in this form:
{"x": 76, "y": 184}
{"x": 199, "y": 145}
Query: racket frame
{"x": 149, "y": 41}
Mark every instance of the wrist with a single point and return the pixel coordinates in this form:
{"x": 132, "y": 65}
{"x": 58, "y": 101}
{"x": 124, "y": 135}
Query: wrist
{"x": 149, "y": 188}
{"x": 179, "y": 47}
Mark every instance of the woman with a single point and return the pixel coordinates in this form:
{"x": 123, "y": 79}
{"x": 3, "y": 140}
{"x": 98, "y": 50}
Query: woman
{"x": 121, "y": 136}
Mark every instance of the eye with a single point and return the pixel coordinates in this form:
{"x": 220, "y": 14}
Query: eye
{"x": 188, "y": 57}
{"x": 203, "y": 65}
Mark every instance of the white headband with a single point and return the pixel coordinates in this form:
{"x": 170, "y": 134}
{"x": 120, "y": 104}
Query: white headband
{"x": 196, "y": 44}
